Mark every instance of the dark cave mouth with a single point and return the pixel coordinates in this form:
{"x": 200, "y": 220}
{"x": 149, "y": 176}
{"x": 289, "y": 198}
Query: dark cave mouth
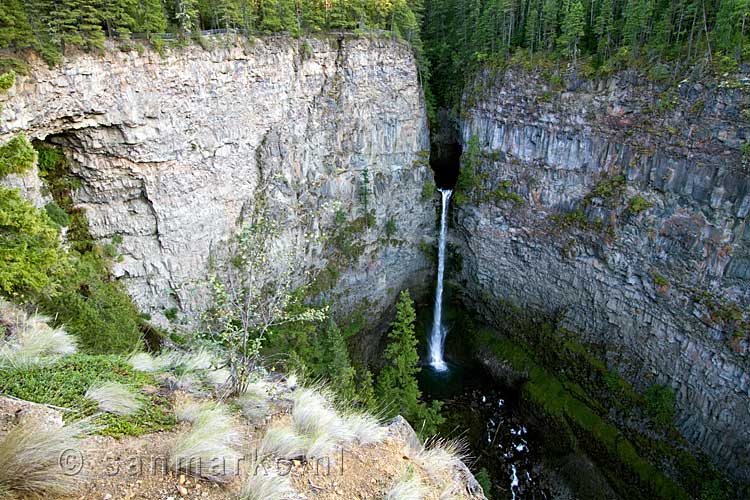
{"x": 445, "y": 160}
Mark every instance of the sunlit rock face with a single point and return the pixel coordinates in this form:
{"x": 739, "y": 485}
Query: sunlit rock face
{"x": 653, "y": 270}
{"x": 174, "y": 152}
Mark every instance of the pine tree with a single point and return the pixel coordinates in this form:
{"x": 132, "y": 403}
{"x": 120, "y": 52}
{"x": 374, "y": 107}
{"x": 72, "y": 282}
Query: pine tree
{"x": 336, "y": 364}
{"x": 15, "y": 28}
{"x": 531, "y": 28}
{"x": 572, "y": 28}
{"x": 604, "y": 27}
{"x": 117, "y": 16}
{"x": 397, "y": 386}
{"x": 150, "y": 17}
{"x": 550, "y": 12}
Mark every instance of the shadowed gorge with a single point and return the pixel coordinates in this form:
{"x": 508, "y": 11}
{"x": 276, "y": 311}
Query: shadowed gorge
{"x": 449, "y": 249}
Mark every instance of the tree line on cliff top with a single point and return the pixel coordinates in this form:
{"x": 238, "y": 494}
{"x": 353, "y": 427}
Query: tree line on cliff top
{"x": 461, "y": 34}
{"x": 51, "y": 26}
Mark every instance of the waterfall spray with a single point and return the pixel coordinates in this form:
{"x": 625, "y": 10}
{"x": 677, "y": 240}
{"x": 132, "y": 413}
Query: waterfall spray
{"x": 437, "y": 336}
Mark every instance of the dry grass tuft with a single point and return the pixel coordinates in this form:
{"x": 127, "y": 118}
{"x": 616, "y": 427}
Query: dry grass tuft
{"x": 115, "y": 398}
{"x": 187, "y": 410}
{"x": 408, "y": 487}
{"x": 218, "y": 377}
{"x": 365, "y": 428}
{"x": 144, "y": 362}
{"x": 282, "y": 442}
{"x": 209, "y": 448}
{"x": 266, "y": 487}
{"x": 313, "y": 414}
{"x": 440, "y": 456}
{"x": 30, "y": 457}
{"x": 29, "y": 339}
{"x": 196, "y": 360}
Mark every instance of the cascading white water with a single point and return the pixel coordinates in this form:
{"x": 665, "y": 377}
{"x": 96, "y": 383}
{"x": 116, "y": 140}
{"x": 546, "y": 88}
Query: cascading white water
{"x": 437, "y": 336}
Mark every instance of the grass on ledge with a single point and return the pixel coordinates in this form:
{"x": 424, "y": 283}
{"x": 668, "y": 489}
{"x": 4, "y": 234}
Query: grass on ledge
{"x": 65, "y": 382}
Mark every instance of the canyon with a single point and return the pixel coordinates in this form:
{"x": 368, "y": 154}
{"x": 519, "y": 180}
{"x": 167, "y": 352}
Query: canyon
{"x": 617, "y": 207}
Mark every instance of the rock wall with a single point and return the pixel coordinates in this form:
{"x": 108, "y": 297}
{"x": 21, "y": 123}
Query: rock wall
{"x": 173, "y": 152}
{"x": 632, "y": 231}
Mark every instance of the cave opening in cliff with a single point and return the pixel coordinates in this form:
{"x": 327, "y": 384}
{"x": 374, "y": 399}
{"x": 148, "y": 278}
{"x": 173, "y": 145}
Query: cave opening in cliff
{"x": 445, "y": 160}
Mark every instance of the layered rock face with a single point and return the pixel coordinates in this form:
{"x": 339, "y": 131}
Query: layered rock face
{"x": 633, "y": 231}
{"x": 175, "y": 152}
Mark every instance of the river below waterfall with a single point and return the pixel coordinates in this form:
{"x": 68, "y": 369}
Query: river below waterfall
{"x": 484, "y": 415}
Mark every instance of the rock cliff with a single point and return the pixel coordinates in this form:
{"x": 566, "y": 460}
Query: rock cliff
{"x": 620, "y": 208}
{"x": 174, "y": 151}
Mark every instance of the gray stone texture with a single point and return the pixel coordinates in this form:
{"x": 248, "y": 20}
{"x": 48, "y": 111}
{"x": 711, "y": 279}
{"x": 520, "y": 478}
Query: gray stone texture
{"x": 685, "y": 157}
{"x": 172, "y": 150}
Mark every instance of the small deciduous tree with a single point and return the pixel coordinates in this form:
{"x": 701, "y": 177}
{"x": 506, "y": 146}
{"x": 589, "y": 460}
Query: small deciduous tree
{"x": 253, "y": 294}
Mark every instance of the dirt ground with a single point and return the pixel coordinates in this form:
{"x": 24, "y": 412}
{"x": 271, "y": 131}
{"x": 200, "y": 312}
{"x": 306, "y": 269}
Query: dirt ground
{"x": 135, "y": 467}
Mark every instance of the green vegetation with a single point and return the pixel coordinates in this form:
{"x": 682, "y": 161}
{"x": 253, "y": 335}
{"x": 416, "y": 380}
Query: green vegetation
{"x": 346, "y": 238}
{"x": 483, "y": 478}
{"x": 57, "y": 215}
{"x": 463, "y": 36}
{"x": 572, "y": 392}
{"x": 727, "y": 314}
{"x": 51, "y": 26}
{"x": 252, "y": 298}
{"x": 16, "y": 156}
{"x": 397, "y": 385}
{"x": 65, "y": 381}
{"x": 660, "y": 404}
{"x": 390, "y": 227}
{"x": 33, "y": 262}
{"x": 660, "y": 280}
{"x": 472, "y": 183}
{"x": 428, "y": 190}
{"x": 607, "y": 191}
{"x": 580, "y": 423}
{"x": 73, "y": 286}
{"x": 638, "y": 204}
{"x": 7, "y": 80}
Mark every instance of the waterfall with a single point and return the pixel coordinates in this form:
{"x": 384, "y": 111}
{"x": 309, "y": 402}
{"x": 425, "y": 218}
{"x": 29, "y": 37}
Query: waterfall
{"x": 437, "y": 336}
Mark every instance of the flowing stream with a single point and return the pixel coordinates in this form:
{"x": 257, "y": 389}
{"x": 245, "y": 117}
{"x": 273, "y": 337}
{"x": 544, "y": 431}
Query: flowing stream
{"x": 437, "y": 336}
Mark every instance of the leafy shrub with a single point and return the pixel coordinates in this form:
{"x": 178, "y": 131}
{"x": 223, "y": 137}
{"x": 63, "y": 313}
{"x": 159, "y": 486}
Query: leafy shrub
{"x": 171, "y": 314}
{"x": 428, "y": 190}
{"x": 660, "y": 404}
{"x": 484, "y": 480}
{"x": 94, "y": 308}
{"x": 86, "y": 300}
{"x": 65, "y": 381}
{"x": 31, "y": 257}
{"x": 659, "y": 73}
{"x": 660, "y": 280}
{"x": 56, "y": 214}
{"x": 638, "y": 204}
{"x": 390, "y": 227}
{"x": 16, "y": 156}
{"x": 7, "y": 80}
